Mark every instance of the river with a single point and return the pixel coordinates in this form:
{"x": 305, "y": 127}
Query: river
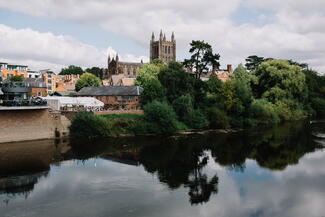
{"x": 277, "y": 172}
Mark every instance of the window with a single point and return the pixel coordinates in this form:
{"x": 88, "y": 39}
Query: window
{"x": 168, "y": 49}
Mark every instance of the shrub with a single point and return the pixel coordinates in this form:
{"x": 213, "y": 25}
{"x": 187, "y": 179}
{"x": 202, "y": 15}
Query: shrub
{"x": 289, "y": 110}
{"x": 86, "y": 124}
{"x": 318, "y": 104}
{"x": 196, "y": 120}
{"x": 264, "y": 112}
{"x": 161, "y": 116}
{"x": 217, "y": 118}
{"x": 183, "y": 105}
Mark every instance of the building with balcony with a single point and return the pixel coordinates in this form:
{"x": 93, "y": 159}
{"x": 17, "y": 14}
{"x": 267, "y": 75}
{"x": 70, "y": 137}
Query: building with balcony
{"x": 9, "y": 70}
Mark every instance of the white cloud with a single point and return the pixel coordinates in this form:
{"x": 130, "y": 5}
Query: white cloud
{"x": 297, "y": 30}
{"x": 46, "y": 50}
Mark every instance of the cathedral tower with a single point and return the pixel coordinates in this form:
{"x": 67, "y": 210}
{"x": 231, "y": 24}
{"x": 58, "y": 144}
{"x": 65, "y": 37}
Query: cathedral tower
{"x": 163, "y": 49}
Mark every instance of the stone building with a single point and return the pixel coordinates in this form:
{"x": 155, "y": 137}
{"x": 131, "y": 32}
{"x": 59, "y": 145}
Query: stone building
{"x": 163, "y": 49}
{"x": 116, "y": 67}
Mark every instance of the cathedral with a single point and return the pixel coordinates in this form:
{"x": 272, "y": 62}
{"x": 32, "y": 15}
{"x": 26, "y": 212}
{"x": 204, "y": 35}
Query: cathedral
{"x": 163, "y": 49}
{"x": 122, "y": 73}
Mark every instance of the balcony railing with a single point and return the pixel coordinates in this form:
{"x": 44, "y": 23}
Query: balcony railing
{"x": 22, "y": 102}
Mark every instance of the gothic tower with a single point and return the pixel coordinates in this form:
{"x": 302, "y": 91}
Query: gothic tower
{"x": 163, "y": 49}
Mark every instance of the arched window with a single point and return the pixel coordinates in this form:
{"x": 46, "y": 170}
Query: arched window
{"x": 168, "y": 49}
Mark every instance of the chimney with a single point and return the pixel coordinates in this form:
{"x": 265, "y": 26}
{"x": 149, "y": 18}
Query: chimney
{"x": 229, "y": 68}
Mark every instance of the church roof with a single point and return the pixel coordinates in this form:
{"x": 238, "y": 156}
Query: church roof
{"x": 130, "y": 64}
{"x": 111, "y": 91}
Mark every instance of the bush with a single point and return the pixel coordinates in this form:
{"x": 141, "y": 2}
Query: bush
{"x": 289, "y": 110}
{"x": 86, "y": 124}
{"x": 161, "y": 116}
{"x": 264, "y": 112}
{"x": 183, "y": 105}
{"x": 318, "y": 104}
{"x": 196, "y": 120}
{"x": 217, "y": 118}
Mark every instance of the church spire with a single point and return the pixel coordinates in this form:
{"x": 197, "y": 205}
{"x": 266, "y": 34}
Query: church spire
{"x": 161, "y": 36}
{"x": 164, "y": 37}
{"x": 153, "y": 36}
{"x": 109, "y": 59}
{"x": 117, "y": 58}
{"x": 173, "y": 37}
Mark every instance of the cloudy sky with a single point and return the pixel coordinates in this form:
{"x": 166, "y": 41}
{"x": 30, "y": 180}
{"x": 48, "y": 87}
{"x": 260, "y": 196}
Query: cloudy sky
{"x": 55, "y": 33}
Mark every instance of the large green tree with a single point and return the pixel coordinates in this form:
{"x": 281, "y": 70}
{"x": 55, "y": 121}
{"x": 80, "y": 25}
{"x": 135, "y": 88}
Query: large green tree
{"x": 252, "y": 62}
{"x": 149, "y": 72}
{"x": 87, "y": 80}
{"x": 178, "y": 82}
{"x": 202, "y": 58}
{"x": 72, "y": 70}
{"x": 153, "y": 90}
{"x": 278, "y": 79}
{"x": 96, "y": 71}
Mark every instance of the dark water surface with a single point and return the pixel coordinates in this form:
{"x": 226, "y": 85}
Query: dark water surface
{"x": 272, "y": 172}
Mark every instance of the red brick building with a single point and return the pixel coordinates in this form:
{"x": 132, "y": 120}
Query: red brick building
{"x": 115, "y": 97}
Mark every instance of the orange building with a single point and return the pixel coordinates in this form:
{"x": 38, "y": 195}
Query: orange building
{"x": 59, "y": 83}
{"x": 223, "y": 74}
{"x": 8, "y": 70}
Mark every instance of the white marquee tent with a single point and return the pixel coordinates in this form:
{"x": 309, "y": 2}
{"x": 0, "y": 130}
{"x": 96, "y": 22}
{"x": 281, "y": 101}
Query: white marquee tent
{"x": 58, "y": 103}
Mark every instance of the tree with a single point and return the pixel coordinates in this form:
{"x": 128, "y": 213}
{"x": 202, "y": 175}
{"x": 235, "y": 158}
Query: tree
{"x": 87, "y": 80}
{"x": 149, "y": 72}
{"x": 202, "y": 58}
{"x": 72, "y": 70}
{"x": 277, "y": 79}
{"x": 161, "y": 116}
{"x": 252, "y": 62}
{"x": 96, "y": 71}
{"x": 176, "y": 81}
{"x": 17, "y": 78}
{"x": 153, "y": 90}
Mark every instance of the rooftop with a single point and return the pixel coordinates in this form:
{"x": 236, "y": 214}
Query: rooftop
{"x": 111, "y": 91}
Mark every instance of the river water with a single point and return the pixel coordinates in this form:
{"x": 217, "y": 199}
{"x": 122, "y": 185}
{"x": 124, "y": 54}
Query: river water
{"x": 275, "y": 172}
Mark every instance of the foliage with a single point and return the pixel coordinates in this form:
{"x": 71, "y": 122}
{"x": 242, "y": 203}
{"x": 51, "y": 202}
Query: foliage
{"x": 277, "y": 80}
{"x": 183, "y": 105}
{"x": 72, "y": 70}
{"x": 161, "y": 116}
{"x": 87, "y": 80}
{"x": 88, "y": 125}
{"x": 318, "y": 104}
{"x": 264, "y": 112}
{"x": 126, "y": 116}
{"x": 213, "y": 84}
{"x": 217, "y": 118}
{"x": 153, "y": 90}
{"x": 176, "y": 81}
{"x": 195, "y": 119}
{"x": 17, "y": 78}
{"x": 202, "y": 58}
{"x": 252, "y": 62}
{"x": 289, "y": 109}
{"x": 149, "y": 72}
{"x": 98, "y": 72}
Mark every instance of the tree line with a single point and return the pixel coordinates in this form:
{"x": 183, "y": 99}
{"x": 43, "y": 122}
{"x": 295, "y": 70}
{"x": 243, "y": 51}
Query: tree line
{"x": 264, "y": 91}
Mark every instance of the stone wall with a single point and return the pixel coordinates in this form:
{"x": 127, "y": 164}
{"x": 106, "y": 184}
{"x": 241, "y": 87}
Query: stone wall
{"x": 29, "y": 124}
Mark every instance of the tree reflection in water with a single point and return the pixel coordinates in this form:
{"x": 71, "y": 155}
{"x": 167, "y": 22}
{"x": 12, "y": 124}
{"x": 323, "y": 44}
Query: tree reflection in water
{"x": 182, "y": 161}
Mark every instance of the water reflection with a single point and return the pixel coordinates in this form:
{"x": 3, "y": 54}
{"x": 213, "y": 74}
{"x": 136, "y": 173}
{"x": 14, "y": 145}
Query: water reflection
{"x": 215, "y": 173}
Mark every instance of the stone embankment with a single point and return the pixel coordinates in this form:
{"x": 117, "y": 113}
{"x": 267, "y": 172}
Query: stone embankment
{"x": 31, "y": 123}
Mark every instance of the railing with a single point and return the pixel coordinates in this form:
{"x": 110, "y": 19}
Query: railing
{"x": 22, "y": 102}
